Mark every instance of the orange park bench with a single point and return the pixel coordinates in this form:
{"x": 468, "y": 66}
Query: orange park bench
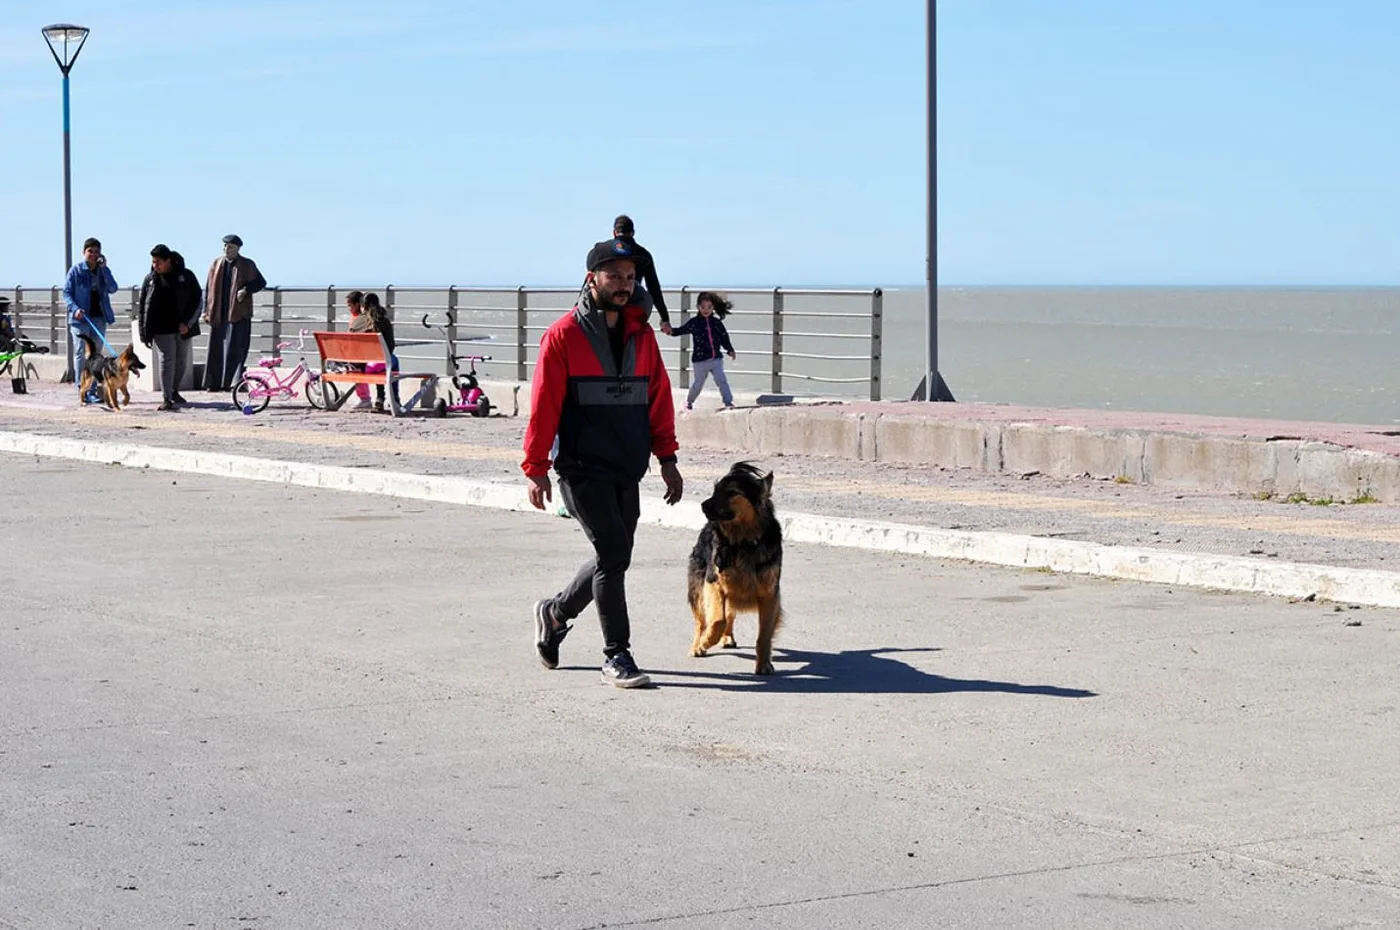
{"x": 341, "y": 349}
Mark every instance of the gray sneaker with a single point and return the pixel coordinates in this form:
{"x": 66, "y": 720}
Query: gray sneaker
{"x": 621, "y": 672}
{"x": 548, "y": 636}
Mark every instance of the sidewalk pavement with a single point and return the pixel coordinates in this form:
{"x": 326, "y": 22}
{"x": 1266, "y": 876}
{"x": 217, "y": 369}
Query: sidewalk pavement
{"x": 1115, "y": 526}
{"x": 238, "y": 704}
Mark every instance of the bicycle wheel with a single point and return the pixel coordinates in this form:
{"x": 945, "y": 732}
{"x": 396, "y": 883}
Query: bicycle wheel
{"x": 243, "y": 397}
{"x": 313, "y": 393}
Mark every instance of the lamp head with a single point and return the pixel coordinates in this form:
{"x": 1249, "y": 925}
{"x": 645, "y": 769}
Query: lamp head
{"x": 65, "y": 42}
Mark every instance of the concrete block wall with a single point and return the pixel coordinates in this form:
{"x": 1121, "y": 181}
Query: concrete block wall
{"x": 1232, "y": 464}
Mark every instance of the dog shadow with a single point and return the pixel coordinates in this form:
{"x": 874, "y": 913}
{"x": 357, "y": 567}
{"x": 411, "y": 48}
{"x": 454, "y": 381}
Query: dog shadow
{"x": 856, "y": 671}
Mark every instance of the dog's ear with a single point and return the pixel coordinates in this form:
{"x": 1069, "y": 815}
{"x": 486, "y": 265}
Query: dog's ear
{"x": 768, "y": 483}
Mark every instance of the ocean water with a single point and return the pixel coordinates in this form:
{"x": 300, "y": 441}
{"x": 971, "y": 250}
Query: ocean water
{"x": 1327, "y": 354}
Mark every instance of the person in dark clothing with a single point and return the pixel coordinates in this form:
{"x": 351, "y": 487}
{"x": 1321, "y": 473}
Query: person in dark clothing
{"x": 379, "y": 322}
{"x": 8, "y": 338}
{"x": 168, "y": 307}
{"x": 709, "y": 342}
{"x": 601, "y": 387}
{"x": 625, "y": 229}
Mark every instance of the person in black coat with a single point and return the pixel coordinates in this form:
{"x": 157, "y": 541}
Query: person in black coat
{"x": 625, "y": 229}
{"x": 168, "y": 310}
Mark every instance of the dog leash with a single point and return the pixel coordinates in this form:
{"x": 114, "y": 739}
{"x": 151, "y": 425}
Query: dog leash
{"x": 100, "y": 334}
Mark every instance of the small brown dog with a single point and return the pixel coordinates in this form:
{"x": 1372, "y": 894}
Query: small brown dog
{"x": 109, "y": 373}
{"x": 737, "y": 564}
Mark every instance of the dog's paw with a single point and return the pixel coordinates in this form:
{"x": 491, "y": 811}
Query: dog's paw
{"x": 729, "y": 643}
{"x": 696, "y": 652}
{"x": 764, "y": 668}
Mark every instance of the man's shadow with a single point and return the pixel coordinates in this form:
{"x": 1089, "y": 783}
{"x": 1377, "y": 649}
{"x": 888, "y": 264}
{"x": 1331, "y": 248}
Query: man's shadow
{"x": 859, "y": 671}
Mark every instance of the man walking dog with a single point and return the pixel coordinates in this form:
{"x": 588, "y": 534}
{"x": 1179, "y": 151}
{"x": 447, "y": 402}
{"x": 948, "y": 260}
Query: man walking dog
{"x": 88, "y": 291}
{"x": 601, "y": 386}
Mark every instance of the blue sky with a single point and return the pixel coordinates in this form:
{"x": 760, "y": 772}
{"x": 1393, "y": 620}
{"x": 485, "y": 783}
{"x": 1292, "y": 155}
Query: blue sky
{"x": 763, "y": 142}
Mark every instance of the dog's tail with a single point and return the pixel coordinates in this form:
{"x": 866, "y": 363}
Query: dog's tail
{"x": 92, "y": 350}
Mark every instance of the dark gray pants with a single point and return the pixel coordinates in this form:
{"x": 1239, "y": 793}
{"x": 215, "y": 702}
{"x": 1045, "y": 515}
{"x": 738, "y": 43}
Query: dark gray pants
{"x": 607, "y": 509}
{"x": 175, "y": 358}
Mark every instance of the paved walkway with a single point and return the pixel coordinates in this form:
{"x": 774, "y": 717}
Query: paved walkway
{"x": 1361, "y": 536}
{"x": 239, "y": 704}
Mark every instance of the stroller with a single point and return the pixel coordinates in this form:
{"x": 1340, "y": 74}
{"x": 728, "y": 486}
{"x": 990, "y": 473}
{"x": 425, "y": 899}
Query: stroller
{"x": 469, "y": 397}
{"x": 13, "y": 347}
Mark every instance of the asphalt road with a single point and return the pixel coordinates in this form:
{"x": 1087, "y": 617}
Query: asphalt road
{"x": 242, "y": 705}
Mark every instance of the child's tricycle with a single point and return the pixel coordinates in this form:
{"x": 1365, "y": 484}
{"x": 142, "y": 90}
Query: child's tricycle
{"x": 469, "y": 397}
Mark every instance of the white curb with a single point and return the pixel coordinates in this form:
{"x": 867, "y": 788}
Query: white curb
{"x": 1197, "y": 570}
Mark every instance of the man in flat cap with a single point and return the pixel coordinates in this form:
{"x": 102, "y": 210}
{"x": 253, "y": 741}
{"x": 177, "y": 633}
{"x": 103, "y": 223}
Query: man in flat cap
{"x": 228, "y": 312}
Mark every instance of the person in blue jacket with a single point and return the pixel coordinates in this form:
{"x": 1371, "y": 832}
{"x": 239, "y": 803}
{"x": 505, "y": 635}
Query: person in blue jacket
{"x": 709, "y": 342}
{"x": 87, "y": 292}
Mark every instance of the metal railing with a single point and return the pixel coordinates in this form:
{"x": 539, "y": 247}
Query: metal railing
{"x": 802, "y": 333}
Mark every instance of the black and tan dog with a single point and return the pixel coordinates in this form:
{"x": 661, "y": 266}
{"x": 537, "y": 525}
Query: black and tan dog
{"x": 737, "y": 564}
{"x": 110, "y": 373}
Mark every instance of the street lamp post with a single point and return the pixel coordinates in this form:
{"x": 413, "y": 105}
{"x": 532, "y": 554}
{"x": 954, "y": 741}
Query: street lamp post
{"x": 932, "y": 387}
{"x": 65, "y": 42}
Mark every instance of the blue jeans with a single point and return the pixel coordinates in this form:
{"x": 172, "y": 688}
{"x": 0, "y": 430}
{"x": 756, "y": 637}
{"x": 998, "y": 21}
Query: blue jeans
{"x": 77, "y": 329}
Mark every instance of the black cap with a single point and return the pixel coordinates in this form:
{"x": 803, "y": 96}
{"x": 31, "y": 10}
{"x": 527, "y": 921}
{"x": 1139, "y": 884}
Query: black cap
{"x": 233, "y": 239}
{"x": 609, "y": 250}
{"x": 161, "y": 251}
{"x": 623, "y": 224}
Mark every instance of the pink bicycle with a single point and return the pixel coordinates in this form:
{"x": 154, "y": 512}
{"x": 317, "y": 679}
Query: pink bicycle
{"x": 258, "y": 387}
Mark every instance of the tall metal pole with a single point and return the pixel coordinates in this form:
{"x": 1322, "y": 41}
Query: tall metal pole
{"x": 933, "y": 388}
{"x": 67, "y": 180}
{"x": 68, "y": 374}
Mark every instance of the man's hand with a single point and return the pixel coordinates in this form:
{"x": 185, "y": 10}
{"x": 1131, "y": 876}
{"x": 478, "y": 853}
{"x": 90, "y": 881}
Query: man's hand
{"x": 78, "y": 313}
{"x": 242, "y": 294}
{"x": 540, "y": 491}
{"x": 731, "y": 356}
{"x": 184, "y": 330}
{"x": 674, "y": 485}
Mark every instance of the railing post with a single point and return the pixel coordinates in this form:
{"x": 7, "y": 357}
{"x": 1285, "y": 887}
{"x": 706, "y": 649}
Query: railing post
{"x": 776, "y": 365}
{"x": 451, "y": 325}
{"x": 683, "y": 372}
{"x": 18, "y": 310}
{"x": 522, "y": 317}
{"x": 877, "y": 327}
{"x": 330, "y": 308}
{"x": 276, "y": 317}
{"x": 53, "y": 320}
{"x": 389, "y": 302}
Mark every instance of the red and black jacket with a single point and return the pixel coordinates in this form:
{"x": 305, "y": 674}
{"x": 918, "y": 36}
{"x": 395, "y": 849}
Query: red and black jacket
{"x": 610, "y": 420}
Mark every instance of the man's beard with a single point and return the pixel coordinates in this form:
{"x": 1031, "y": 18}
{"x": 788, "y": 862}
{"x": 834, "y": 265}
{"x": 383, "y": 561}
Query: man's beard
{"x": 613, "y": 299}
